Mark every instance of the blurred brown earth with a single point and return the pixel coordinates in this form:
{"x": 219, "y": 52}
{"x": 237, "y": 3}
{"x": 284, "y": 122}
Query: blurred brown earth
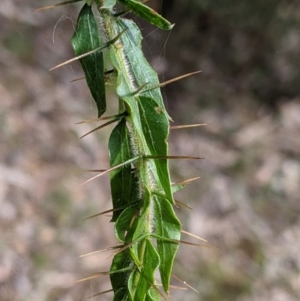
{"x": 247, "y": 201}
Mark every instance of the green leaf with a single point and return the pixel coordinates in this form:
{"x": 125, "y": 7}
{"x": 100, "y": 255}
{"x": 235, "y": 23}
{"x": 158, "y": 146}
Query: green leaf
{"x": 167, "y": 226}
{"x": 152, "y": 295}
{"x": 121, "y": 179}
{"x": 147, "y": 111}
{"x": 156, "y": 130}
{"x": 120, "y": 261}
{"x": 147, "y": 13}
{"x": 86, "y": 38}
{"x": 140, "y": 229}
{"x": 140, "y": 71}
{"x": 140, "y": 282}
{"x": 121, "y": 295}
{"x": 123, "y": 222}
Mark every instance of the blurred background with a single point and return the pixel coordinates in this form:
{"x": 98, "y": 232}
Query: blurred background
{"x": 246, "y": 203}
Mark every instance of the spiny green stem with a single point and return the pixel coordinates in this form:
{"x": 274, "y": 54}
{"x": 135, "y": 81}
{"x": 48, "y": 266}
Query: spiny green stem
{"x": 141, "y": 189}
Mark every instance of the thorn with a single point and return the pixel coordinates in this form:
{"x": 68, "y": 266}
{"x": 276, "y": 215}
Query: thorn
{"x": 105, "y": 76}
{"x": 77, "y": 79}
{"x": 172, "y": 157}
{"x": 93, "y": 120}
{"x": 55, "y": 5}
{"x": 133, "y": 170}
{"x": 193, "y": 244}
{"x": 133, "y": 218}
{"x": 95, "y": 275}
{"x": 172, "y": 80}
{"x": 89, "y": 52}
{"x": 92, "y": 276}
{"x": 177, "y": 127}
{"x": 100, "y": 251}
{"x": 157, "y": 290}
{"x": 99, "y": 127}
{"x": 178, "y": 288}
{"x": 193, "y": 235}
{"x": 93, "y": 170}
{"x": 116, "y": 117}
{"x": 125, "y": 247}
{"x": 182, "y": 281}
{"x": 137, "y": 91}
{"x": 183, "y": 204}
{"x": 155, "y": 287}
{"x": 87, "y": 170}
{"x": 112, "y": 168}
{"x": 100, "y": 213}
{"x": 185, "y": 182}
{"x": 108, "y": 211}
{"x": 178, "y": 78}
{"x": 76, "y": 58}
{"x": 184, "y": 157}
{"x": 99, "y": 175}
{"x": 101, "y": 293}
